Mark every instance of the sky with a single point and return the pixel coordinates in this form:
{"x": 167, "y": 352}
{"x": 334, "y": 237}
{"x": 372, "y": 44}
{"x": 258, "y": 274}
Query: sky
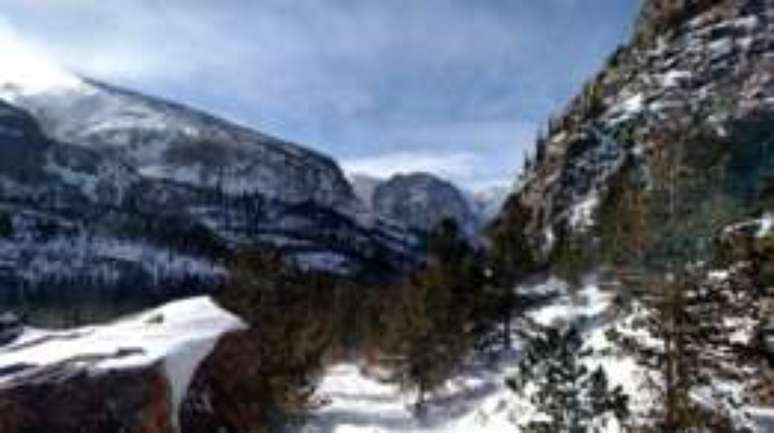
{"x": 458, "y": 88}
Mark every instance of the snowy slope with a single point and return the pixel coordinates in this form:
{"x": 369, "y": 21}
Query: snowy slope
{"x": 478, "y": 400}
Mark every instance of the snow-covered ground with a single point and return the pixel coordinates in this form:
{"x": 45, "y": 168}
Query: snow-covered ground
{"x": 477, "y": 401}
{"x": 356, "y": 403}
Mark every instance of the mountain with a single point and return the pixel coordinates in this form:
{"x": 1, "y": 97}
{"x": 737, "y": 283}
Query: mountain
{"x": 695, "y": 79}
{"x": 413, "y": 200}
{"x": 107, "y": 188}
{"x": 655, "y": 185}
{"x": 420, "y": 201}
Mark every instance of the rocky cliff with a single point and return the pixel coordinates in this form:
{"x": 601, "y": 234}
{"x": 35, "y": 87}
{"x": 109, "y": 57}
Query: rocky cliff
{"x": 697, "y": 79}
{"x": 157, "y": 372}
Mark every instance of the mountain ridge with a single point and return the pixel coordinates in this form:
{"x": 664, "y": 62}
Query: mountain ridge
{"x": 135, "y": 190}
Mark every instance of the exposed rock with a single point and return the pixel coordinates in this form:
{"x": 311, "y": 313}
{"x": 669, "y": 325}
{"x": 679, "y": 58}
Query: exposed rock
{"x": 217, "y": 399}
{"x": 68, "y": 400}
{"x": 692, "y": 65}
{"x": 131, "y": 376}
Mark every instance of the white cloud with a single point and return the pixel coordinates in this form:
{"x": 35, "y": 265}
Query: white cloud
{"x": 449, "y": 166}
{"x": 26, "y": 66}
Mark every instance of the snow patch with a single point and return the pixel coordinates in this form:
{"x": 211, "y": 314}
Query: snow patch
{"x": 582, "y": 214}
{"x": 766, "y": 224}
{"x": 674, "y": 78}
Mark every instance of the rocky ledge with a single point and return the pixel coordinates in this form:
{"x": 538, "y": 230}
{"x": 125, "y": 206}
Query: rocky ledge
{"x": 155, "y": 372}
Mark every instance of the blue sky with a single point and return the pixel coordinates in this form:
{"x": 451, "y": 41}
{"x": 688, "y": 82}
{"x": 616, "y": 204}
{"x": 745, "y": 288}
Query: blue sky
{"x": 456, "y": 87}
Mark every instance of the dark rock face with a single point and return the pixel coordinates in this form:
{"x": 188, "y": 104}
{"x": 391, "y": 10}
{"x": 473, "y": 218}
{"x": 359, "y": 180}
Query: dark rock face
{"x": 130, "y": 376}
{"x": 218, "y": 399}
{"x": 421, "y": 201}
{"x": 68, "y": 399}
{"x": 62, "y": 400}
{"x": 692, "y": 65}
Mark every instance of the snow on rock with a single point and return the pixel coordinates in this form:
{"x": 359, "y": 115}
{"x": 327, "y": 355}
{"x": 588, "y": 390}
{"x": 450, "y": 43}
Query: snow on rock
{"x": 323, "y": 260}
{"x": 582, "y": 214}
{"x": 766, "y": 224}
{"x": 588, "y": 302}
{"x": 178, "y": 335}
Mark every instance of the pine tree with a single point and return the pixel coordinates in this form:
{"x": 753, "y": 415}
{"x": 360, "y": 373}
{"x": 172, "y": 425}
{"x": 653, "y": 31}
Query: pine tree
{"x": 569, "y": 398}
{"x": 685, "y": 208}
{"x": 435, "y": 322}
{"x": 290, "y": 332}
{"x": 510, "y": 260}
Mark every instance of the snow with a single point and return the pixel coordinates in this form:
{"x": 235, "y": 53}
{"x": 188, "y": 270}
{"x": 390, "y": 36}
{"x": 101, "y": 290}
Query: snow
{"x": 582, "y": 214}
{"x": 179, "y": 335}
{"x": 721, "y": 48}
{"x": 96, "y": 258}
{"x": 634, "y": 104}
{"x": 766, "y": 225}
{"x": 674, "y": 78}
{"x": 477, "y": 400}
{"x": 472, "y": 403}
{"x": 626, "y": 109}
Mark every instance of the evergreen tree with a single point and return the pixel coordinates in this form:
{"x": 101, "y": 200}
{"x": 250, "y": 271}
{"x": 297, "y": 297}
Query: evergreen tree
{"x": 685, "y": 208}
{"x": 510, "y": 260}
{"x": 569, "y": 398}
{"x": 435, "y": 322}
{"x": 290, "y": 331}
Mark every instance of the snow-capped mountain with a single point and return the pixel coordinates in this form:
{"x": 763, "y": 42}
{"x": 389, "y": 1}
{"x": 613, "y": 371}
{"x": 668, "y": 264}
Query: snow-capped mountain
{"x": 106, "y": 187}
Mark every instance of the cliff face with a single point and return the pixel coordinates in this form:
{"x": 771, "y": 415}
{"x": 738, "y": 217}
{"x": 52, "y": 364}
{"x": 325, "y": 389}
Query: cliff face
{"x": 698, "y": 76}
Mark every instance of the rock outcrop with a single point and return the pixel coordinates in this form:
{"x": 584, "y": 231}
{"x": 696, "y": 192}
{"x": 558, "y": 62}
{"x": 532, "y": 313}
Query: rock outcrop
{"x": 139, "y": 375}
